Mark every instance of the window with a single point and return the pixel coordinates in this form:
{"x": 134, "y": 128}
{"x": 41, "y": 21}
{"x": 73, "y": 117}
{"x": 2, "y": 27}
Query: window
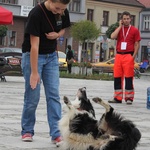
{"x": 2, "y": 41}
{"x": 75, "y": 6}
{"x": 105, "y": 18}
{"x": 12, "y": 38}
{"x": 119, "y": 16}
{"x": 9, "y": 1}
{"x": 146, "y": 23}
{"x": 90, "y": 14}
{"x": 144, "y": 53}
{"x": 133, "y": 20}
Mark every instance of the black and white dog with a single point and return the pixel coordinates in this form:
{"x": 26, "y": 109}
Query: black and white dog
{"x": 81, "y": 131}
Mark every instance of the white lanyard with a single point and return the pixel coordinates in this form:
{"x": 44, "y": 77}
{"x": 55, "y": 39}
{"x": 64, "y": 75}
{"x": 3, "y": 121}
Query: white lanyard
{"x": 125, "y": 36}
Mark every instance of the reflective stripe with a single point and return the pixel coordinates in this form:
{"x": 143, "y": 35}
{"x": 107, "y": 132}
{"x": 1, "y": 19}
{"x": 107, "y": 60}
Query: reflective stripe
{"x": 129, "y": 94}
{"x": 120, "y": 90}
{"x": 128, "y": 91}
{"x": 118, "y": 94}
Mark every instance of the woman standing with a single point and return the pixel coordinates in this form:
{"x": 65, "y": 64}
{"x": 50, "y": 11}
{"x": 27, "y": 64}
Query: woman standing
{"x": 46, "y": 22}
{"x": 69, "y": 58}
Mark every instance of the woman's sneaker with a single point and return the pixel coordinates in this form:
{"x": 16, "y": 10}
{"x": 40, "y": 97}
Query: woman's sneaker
{"x": 57, "y": 141}
{"x": 27, "y": 137}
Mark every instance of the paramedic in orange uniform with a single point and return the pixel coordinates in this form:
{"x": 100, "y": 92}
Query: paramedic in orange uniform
{"x": 128, "y": 42}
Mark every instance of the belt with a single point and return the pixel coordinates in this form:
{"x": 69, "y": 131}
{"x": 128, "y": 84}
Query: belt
{"x": 123, "y": 53}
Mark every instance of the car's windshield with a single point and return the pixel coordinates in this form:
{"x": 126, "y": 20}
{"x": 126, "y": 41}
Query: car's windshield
{"x": 18, "y": 50}
{"x": 61, "y": 55}
{"x": 6, "y": 50}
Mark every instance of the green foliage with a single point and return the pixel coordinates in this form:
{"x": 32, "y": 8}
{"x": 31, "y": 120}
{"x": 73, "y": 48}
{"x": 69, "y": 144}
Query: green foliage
{"x": 111, "y": 29}
{"x": 87, "y": 77}
{"x": 76, "y": 64}
{"x": 84, "y": 30}
{"x": 82, "y": 64}
{"x": 3, "y": 30}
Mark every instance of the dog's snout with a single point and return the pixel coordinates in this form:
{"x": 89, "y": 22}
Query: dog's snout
{"x": 82, "y": 89}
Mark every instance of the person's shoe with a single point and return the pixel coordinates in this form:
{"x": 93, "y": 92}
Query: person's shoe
{"x": 129, "y": 102}
{"x": 114, "y": 101}
{"x": 27, "y": 137}
{"x": 57, "y": 141}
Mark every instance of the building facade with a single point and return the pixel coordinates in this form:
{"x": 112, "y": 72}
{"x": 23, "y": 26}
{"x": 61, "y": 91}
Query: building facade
{"x": 105, "y": 13}
{"x": 144, "y": 27}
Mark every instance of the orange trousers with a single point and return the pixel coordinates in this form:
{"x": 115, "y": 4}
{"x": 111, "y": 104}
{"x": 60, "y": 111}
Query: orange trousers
{"x": 123, "y": 71}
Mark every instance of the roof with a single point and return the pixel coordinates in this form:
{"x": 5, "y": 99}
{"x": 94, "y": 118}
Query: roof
{"x": 125, "y": 2}
{"x": 146, "y": 3}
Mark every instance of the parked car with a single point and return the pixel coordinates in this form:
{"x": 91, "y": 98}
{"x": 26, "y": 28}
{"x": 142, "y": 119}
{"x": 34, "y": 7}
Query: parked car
{"x": 10, "y": 61}
{"x": 10, "y": 52}
{"x": 62, "y": 61}
{"x": 10, "y": 49}
{"x": 108, "y": 66}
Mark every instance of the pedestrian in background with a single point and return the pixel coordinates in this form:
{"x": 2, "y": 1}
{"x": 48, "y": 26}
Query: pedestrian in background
{"x": 128, "y": 42}
{"x": 46, "y": 22}
{"x": 69, "y": 58}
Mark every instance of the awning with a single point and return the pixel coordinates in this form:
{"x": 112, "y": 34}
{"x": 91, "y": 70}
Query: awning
{"x": 6, "y": 16}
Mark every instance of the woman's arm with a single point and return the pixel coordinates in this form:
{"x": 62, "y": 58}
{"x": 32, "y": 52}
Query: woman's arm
{"x": 34, "y": 77}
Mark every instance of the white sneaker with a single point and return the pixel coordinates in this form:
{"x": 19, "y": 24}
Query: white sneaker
{"x": 129, "y": 102}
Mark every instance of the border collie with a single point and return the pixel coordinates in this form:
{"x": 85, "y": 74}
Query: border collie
{"x": 81, "y": 131}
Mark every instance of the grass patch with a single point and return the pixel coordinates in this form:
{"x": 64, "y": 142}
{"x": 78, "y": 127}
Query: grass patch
{"x": 103, "y": 76}
{"x": 64, "y": 74}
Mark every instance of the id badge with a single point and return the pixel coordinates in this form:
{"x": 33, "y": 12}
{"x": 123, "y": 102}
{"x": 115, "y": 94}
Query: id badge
{"x": 123, "y": 45}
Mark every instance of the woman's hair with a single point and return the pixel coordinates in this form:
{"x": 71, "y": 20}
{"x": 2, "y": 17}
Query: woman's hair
{"x": 69, "y": 47}
{"x": 61, "y": 1}
{"x": 125, "y": 13}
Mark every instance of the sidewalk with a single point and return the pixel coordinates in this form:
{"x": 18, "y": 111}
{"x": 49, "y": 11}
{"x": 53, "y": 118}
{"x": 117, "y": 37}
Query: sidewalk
{"x": 11, "y": 103}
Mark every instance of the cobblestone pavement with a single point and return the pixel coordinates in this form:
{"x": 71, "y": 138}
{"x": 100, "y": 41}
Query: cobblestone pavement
{"x": 11, "y": 102}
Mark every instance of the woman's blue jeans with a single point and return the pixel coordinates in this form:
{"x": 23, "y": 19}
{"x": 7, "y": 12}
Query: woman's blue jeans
{"x": 48, "y": 69}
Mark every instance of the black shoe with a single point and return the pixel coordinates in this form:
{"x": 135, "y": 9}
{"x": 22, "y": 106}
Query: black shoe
{"x": 114, "y": 101}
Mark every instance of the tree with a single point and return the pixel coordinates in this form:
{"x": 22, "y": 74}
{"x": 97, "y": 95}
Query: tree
{"x": 111, "y": 29}
{"x": 3, "y": 30}
{"x": 85, "y": 31}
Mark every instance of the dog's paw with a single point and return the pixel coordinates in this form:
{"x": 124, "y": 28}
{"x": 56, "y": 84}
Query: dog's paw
{"x": 97, "y": 99}
{"x": 66, "y": 100}
{"x": 109, "y": 137}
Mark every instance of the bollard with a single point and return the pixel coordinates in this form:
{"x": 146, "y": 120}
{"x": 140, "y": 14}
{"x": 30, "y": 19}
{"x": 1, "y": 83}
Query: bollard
{"x": 148, "y": 98}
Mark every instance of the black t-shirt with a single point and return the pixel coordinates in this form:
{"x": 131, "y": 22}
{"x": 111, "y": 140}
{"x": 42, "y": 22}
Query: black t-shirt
{"x": 37, "y": 25}
{"x": 69, "y": 55}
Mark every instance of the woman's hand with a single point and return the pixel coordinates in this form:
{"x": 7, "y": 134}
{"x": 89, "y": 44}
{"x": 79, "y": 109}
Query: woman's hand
{"x": 52, "y": 35}
{"x": 34, "y": 80}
